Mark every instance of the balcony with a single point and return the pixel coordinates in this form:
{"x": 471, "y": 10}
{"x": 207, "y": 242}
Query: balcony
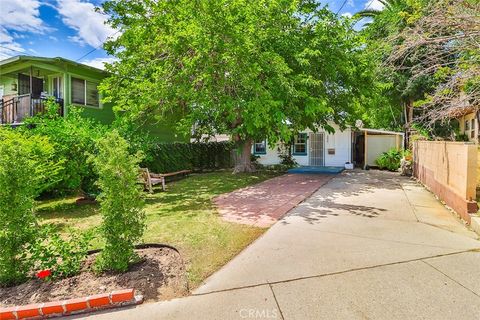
{"x": 14, "y": 110}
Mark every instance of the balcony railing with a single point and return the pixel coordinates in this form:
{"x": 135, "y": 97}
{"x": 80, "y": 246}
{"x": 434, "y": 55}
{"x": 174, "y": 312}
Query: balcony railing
{"x": 16, "y": 109}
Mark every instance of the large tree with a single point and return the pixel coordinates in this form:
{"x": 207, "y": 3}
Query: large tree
{"x": 252, "y": 69}
{"x": 382, "y": 37}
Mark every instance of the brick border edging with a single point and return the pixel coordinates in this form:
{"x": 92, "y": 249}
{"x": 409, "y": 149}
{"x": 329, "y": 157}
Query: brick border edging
{"x": 91, "y": 303}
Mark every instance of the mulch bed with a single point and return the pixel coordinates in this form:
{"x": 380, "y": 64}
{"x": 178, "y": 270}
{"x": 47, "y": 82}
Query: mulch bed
{"x": 160, "y": 275}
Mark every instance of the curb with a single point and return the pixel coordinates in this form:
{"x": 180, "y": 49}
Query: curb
{"x": 475, "y": 223}
{"x": 52, "y": 309}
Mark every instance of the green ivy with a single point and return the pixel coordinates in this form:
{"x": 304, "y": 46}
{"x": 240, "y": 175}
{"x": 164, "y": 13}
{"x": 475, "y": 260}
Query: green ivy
{"x": 170, "y": 157}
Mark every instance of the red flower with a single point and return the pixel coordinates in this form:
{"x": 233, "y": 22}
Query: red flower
{"x": 44, "y": 273}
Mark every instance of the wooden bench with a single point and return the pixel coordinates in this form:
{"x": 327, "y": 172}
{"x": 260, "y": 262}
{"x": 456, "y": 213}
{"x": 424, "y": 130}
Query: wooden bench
{"x": 150, "y": 179}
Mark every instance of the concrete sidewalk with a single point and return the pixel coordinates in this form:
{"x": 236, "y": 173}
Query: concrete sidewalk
{"x": 367, "y": 245}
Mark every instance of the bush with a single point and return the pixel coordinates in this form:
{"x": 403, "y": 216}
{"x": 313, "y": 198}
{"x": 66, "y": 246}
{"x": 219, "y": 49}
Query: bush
{"x": 123, "y": 220}
{"x": 73, "y": 136}
{"x": 170, "y": 157}
{"x": 27, "y": 167}
{"x": 63, "y": 256}
{"x": 285, "y": 154}
{"x": 390, "y": 160}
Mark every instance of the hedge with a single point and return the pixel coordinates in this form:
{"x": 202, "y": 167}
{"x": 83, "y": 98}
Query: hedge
{"x": 171, "y": 157}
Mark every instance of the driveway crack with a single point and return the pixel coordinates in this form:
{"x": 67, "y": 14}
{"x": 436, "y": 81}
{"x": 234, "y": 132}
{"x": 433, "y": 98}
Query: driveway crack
{"x": 270, "y": 283}
{"x": 408, "y": 199}
{"x": 276, "y": 301}
{"x": 446, "y": 275}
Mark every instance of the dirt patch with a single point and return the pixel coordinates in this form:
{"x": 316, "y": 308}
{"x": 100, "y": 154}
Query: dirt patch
{"x": 160, "y": 275}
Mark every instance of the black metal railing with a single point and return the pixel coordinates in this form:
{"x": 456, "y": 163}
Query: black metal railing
{"x": 16, "y": 109}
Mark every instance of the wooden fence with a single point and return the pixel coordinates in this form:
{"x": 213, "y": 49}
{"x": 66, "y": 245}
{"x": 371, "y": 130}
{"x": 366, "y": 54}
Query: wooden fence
{"x": 449, "y": 170}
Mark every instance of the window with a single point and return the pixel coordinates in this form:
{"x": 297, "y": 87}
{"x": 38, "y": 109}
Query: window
{"x": 260, "y": 147}
{"x": 300, "y": 145}
{"x": 84, "y": 92}
{"x": 467, "y": 127}
{"x": 472, "y": 127}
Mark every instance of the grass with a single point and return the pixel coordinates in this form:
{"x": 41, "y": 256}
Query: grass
{"x": 183, "y": 217}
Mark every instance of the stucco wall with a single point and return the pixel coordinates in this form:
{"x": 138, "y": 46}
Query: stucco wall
{"x": 340, "y": 141}
{"x": 448, "y": 169}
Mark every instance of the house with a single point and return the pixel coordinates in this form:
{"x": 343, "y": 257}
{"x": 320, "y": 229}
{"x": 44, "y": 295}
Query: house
{"x": 322, "y": 149}
{"x": 468, "y": 125}
{"x": 26, "y": 82}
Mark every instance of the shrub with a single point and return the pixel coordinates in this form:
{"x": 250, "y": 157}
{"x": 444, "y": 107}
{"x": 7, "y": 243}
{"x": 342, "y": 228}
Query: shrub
{"x": 63, "y": 256}
{"x": 390, "y": 160}
{"x": 73, "y": 136}
{"x": 123, "y": 220}
{"x": 285, "y": 154}
{"x": 169, "y": 157}
{"x": 27, "y": 167}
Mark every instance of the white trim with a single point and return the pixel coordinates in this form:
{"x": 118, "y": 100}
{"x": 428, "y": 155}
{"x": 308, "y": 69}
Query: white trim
{"x": 381, "y": 131}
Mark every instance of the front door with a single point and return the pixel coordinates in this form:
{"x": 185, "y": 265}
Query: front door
{"x": 24, "y": 85}
{"x": 316, "y": 149}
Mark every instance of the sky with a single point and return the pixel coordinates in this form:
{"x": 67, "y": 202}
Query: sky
{"x": 72, "y": 29}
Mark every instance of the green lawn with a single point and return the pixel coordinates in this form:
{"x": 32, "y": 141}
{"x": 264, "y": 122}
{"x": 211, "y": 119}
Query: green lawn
{"x": 183, "y": 217}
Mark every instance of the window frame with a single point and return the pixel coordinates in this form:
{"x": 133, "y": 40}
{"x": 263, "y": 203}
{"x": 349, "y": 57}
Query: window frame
{"x": 264, "y": 142}
{"x": 85, "y": 105}
{"x": 472, "y": 128}
{"x": 295, "y": 143}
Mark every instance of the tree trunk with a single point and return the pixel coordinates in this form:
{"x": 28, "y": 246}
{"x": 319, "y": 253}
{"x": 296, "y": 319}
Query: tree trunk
{"x": 408, "y": 121}
{"x": 243, "y": 162}
{"x": 410, "y": 112}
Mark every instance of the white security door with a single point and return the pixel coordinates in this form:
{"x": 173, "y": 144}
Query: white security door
{"x": 316, "y": 149}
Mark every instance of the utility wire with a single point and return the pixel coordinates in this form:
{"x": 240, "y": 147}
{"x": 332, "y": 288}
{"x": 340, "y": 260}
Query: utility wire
{"x": 369, "y": 4}
{"x": 23, "y": 52}
{"x": 343, "y": 5}
{"x": 98, "y": 47}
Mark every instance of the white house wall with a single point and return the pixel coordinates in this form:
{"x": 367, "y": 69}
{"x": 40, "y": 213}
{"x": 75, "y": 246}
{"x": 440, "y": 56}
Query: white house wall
{"x": 340, "y": 141}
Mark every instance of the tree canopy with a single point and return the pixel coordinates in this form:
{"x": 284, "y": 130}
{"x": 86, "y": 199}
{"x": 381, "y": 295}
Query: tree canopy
{"x": 428, "y": 51}
{"x": 251, "y": 69}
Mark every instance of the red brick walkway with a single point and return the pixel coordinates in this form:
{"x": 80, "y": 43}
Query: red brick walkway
{"x": 263, "y": 204}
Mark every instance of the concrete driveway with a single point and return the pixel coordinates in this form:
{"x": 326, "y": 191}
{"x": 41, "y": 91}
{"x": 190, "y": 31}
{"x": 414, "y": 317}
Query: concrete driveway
{"x": 367, "y": 245}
